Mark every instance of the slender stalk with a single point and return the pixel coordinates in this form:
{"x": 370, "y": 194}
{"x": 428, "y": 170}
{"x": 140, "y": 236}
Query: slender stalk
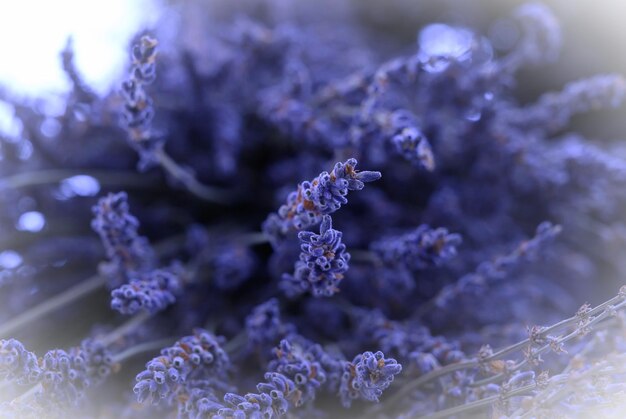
{"x": 564, "y": 339}
{"x": 125, "y": 328}
{"x": 52, "y": 304}
{"x": 600, "y": 312}
{"x": 82, "y": 289}
{"x": 198, "y": 189}
{"x": 141, "y": 348}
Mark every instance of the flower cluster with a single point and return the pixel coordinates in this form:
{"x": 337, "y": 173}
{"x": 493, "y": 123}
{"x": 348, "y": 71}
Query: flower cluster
{"x": 323, "y": 195}
{"x": 139, "y": 110}
{"x": 367, "y": 376}
{"x": 418, "y": 249}
{"x": 192, "y": 357}
{"x": 127, "y": 252}
{"x": 323, "y": 262}
{"x": 152, "y": 292}
{"x": 63, "y": 375}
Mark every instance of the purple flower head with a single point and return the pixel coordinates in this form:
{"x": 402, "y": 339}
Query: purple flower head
{"x": 17, "y": 364}
{"x": 64, "y": 375}
{"x": 139, "y": 109}
{"x": 200, "y": 401}
{"x": 301, "y": 366}
{"x": 152, "y": 292}
{"x": 322, "y": 265}
{"x": 419, "y": 249}
{"x": 97, "y": 358}
{"x": 276, "y": 395}
{"x": 232, "y": 264}
{"x": 193, "y": 357}
{"x": 323, "y": 195}
{"x": 367, "y": 376}
{"x": 127, "y": 252}
{"x": 414, "y": 147}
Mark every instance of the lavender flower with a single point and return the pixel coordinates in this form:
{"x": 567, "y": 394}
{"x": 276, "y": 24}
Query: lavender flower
{"x": 413, "y": 146}
{"x": 152, "y": 292}
{"x": 418, "y": 249}
{"x": 196, "y": 356}
{"x": 367, "y": 376}
{"x": 139, "y": 110}
{"x": 323, "y": 195}
{"x": 301, "y": 367}
{"x": 323, "y": 262}
{"x": 17, "y": 364}
{"x": 127, "y": 252}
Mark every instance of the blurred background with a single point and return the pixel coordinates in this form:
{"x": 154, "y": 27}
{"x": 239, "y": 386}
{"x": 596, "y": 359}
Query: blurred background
{"x": 34, "y": 32}
{"x": 53, "y": 223}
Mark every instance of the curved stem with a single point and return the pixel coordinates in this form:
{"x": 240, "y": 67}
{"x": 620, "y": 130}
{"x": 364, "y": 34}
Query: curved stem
{"x": 198, "y": 189}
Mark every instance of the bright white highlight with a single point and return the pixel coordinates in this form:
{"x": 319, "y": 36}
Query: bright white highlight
{"x": 10, "y": 259}
{"x": 32, "y": 221}
{"x": 34, "y": 32}
{"x": 80, "y": 185}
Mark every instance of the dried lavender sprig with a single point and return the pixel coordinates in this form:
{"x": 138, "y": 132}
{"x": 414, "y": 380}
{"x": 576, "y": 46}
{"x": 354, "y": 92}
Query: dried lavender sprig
{"x": 570, "y": 379}
{"x": 533, "y": 354}
{"x": 83, "y": 92}
{"x": 128, "y": 254}
{"x": 489, "y": 272}
{"x": 139, "y": 112}
{"x": 80, "y": 290}
{"x": 200, "y": 354}
{"x": 322, "y": 196}
{"x": 64, "y": 375}
{"x": 555, "y": 380}
{"x": 420, "y": 248}
{"x": 554, "y": 110}
{"x": 478, "y": 361}
{"x": 322, "y": 265}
